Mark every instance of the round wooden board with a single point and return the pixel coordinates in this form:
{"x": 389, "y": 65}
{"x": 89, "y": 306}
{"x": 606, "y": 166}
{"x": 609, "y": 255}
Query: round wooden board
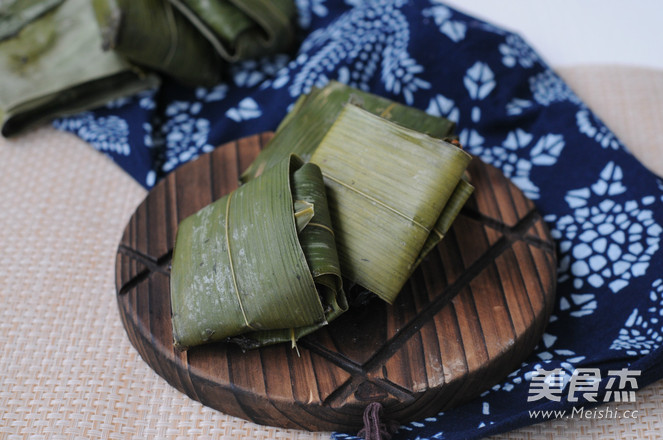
{"x": 469, "y": 315}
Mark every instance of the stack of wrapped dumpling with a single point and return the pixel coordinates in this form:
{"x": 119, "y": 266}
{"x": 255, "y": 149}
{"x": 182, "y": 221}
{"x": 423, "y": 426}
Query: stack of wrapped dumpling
{"x": 265, "y": 264}
{"x": 59, "y": 57}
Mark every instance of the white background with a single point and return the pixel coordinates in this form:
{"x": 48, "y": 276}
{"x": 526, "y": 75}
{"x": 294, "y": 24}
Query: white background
{"x": 573, "y": 32}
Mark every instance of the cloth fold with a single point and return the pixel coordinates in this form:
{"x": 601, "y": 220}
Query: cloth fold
{"x": 604, "y": 209}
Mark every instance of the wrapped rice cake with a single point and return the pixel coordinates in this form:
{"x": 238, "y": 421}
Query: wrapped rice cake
{"x": 192, "y": 40}
{"x": 258, "y": 266}
{"x": 52, "y": 64}
{"x": 388, "y": 187}
{"x": 242, "y": 29}
{"x": 389, "y": 146}
{"x": 383, "y": 178}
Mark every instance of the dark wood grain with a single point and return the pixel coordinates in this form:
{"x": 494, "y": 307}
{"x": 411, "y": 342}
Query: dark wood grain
{"x": 468, "y": 316}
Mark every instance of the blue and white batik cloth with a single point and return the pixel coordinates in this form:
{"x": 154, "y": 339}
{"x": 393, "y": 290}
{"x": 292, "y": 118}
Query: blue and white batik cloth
{"x": 604, "y": 209}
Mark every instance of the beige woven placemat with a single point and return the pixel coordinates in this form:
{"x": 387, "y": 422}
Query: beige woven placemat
{"x": 67, "y": 369}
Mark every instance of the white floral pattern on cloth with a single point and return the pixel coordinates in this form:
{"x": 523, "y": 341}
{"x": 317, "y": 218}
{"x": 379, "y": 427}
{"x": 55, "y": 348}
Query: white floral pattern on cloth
{"x": 591, "y": 126}
{"x": 306, "y": 9}
{"x": 246, "y": 109}
{"x": 107, "y": 134}
{"x": 479, "y": 80}
{"x": 369, "y": 41}
{"x": 443, "y": 17}
{"x": 544, "y": 152}
{"x": 643, "y": 330}
{"x": 442, "y": 106}
{"x": 546, "y": 351}
{"x": 251, "y": 73}
{"x": 577, "y": 305}
{"x": 604, "y": 242}
{"x": 515, "y": 50}
{"x": 517, "y": 106}
{"x": 185, "y": 134}
{"x": 523, "y": 375}
{"x": 548, "y": 88}
{"x": 604, "y": 209}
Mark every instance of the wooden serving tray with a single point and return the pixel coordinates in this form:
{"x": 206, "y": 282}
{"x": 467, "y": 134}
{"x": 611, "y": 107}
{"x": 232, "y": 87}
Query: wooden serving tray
{"x": 468, "y": 316}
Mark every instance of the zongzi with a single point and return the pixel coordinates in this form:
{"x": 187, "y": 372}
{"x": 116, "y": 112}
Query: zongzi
{"x": 52, "y": 64}
{"x": 387, "y": 187}
{"x": 304, "y": 130}
{"x": 258, "y": 266}
{"x": 193, "y": 40}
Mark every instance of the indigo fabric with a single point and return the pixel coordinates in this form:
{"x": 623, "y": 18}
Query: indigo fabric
{"x": 604, "y": 209}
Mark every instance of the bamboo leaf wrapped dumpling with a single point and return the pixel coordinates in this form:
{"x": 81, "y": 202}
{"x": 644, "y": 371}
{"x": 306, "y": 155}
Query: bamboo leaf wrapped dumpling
{"x": 307, "y": 127}
{"x": 388, "y": 187}
{"x": 153, "y": 34}
{"x": 242, "y": 271}
{"x": 242, "y": 29}
{"x": 304, "y": 127}
{"x": 52, "y": 64}
{"x": 192, "y": 40}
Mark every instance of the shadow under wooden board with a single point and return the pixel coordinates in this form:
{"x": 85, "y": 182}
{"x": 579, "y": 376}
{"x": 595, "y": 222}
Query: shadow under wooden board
{"x": 469, "y": 315}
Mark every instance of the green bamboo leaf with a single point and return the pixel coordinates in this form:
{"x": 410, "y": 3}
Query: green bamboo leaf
{"x": 193, "y": 40}
{"x": 242, "y": 272}
{"x": 219, "y": 20}
{"x": 319, "y": 246}
{"x": 242, "y": 29}
{"x": 153, "y": 34}
{"x": 387, "y": 187}
{"x": 461, "y": 194}
{"x": 303, "y": 128}
{"x": 16, "y": 14}
{"x": 55, "y": 66}
{"x": 304, "y": 212}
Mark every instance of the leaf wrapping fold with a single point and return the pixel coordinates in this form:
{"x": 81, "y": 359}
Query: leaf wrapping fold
{"x": 193, "y": 40}
{"x": 242, "y": 29}
{"x": 242, "y": 272}
{"x": 458, "y": 198}
{"x": 153, "y": 34}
